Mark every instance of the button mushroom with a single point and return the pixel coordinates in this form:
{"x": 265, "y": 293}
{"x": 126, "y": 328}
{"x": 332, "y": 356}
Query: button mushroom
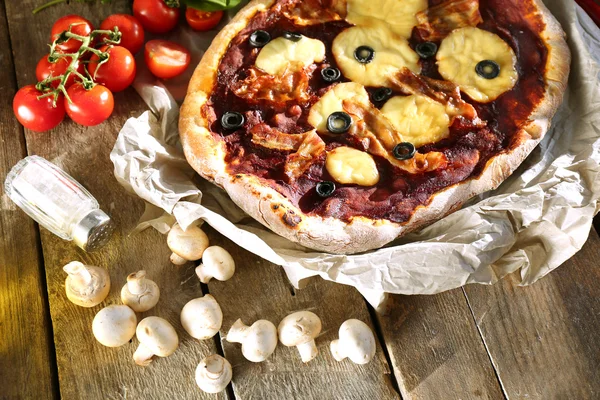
{"x": 202, "y": 317}
{"x": 86, "y": 285}
{"x": 157, "y": 338}
{"x": 258, "y": 341}
{"x": 300, "y": 329}
{"x": 356, "y": 342}
{"x": 213, "y": 374}
{"x": 114, "y": 326}
{"x": 140, "y": 293}
{"x": 216, "y": 263}
{"x": 186, "y": 245}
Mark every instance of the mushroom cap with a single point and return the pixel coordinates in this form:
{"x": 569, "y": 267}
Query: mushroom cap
{"x": 140, "y": 302}
{"x": 357, "y": 340}
{"x": 92, "y": 294}
{"x": 218, "y": 263}
{"x": 114, "y": 325}
{"x": 260, "y": 341}
{"x": 213, "y": 374}
{"x": 299, "y": 328}
{"x": 202, "y": 317}
{"x": 158, "y": 335}
{"x": 188, "y": 244}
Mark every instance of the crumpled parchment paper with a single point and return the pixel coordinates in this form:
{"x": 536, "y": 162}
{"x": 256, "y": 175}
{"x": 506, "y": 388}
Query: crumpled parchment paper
{"x": 534, "y": 221}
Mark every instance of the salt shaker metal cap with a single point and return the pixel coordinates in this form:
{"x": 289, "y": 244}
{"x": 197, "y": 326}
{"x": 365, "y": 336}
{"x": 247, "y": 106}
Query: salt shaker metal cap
{"x": 58, "y": 202}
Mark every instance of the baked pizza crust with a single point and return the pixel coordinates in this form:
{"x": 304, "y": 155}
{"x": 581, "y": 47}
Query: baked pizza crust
{"x": 206, "y": 155}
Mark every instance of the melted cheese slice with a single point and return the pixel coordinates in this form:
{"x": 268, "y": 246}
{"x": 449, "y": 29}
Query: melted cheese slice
{"x": 399, "y": 15}
{"x": 332, "y": 102}
{"x": 281, "y": 55}
{"x": 350, "y": 166}
{"x": 392, "y": 53}
{"x": 463, "y": 49}
{"x": 418, "y": 118}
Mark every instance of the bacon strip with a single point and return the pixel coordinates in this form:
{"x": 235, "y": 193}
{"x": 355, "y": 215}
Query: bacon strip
{"x": 437, "y": 22}
{"x": 311, "y": 149}
{"x": 291, "y": 85}
{"x": 312, "y": 12}
{"x": 271, "y": 138}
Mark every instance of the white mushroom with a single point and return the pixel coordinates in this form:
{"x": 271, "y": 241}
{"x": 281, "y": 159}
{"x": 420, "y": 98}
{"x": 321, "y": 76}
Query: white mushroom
{"x": 258, "y": 341}
{"x": 140, "y": 293}
{"x": 213, "y": 374}
{"x": 300, "y": 329}
{"x": 114, "y": 326}
{"x": 186, "y": 245}
{"x": 86, "y": 285}
{"x": 356, "y": 342}
{"x": 157, "y": 338}
{"x": 216, "y": 263}
{"x": 202, "y": 317}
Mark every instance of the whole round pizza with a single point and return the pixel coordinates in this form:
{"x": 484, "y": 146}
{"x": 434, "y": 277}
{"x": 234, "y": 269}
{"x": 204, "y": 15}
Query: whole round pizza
{"x": 344, "y": 124}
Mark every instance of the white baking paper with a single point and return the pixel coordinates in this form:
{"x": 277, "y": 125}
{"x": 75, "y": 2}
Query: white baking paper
{"x": 535, "y": 221}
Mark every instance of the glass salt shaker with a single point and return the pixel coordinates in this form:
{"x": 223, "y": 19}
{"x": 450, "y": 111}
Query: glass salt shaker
{"x": 58, "y": 203}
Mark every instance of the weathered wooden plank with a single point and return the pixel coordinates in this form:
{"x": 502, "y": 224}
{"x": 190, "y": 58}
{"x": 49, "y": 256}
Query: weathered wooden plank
{"x": 25, "y": 339}
{"x": 435, "y": 349}
{"x": 260, "y": 290}
{"x": 544, "y": 339}
{"x": 87, "y": 369}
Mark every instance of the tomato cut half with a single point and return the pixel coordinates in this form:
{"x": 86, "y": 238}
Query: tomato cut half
{"x": 202, "y": 20}
{"x": 166, "y": 59}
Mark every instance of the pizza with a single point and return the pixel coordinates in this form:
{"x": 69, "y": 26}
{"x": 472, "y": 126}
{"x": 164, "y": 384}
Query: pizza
{"x": 345, "y": 124}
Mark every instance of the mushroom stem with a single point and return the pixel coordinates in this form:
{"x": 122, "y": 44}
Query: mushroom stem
{"x": 136, "y": 282}
{"x": 307, "y": 351}
{"x": 178, "y": 260}
{"x": 143, "y": 355}
{"x": 238, "y": 332}
{"x": 79, "y": 274}
{"x": 338, "y": 352}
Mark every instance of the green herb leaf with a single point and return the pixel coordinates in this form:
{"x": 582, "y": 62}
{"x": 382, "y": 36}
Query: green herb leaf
{"x": 212, "y": 5}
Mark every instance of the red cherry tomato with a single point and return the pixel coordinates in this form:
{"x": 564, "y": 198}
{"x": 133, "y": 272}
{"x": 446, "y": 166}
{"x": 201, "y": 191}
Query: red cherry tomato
{"x": 46, "y": 69}
{"x": 89, "y": 107}
{"x": 132, "y": 32}
{"x": 155, "y": 15}
{"x": 166, "y": 59}
{"x": 37, "y": 115}
{"x": 79, "y": 26}
{"x": 117, "y": 73}
{"x": 202, "y": 20}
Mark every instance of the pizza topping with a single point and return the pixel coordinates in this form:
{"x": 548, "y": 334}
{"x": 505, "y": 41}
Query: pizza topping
{"x": 420, "y": 119}
{"x": 400, "y": 16}
{"x": 404, "y": 151}
{"x": 325, "y": 188}
{"x": 437, "y": 22}
{"x": 487, "y": 69}
{"x": 382, "y": 94}
{"x": 330, "y": 74}
{"x": 259, "y": 85}
{"x": 310, "y": 150}
{"x": 463, "y": 50}
{"x": 314, "y": 12}
{"x": 232, "y": 120}
{"x": 271, "y": 138}
{"x": 350, "y": 166}
{"x": 391, "y": 54}
{"x": 260, "y": 38}
{"x": 426, "y": 49}
{"x": 282, "y": 55}
{"x": 293, "y": 36}
{"x": 339, "y": 122}
{"x": 331, "y": 102}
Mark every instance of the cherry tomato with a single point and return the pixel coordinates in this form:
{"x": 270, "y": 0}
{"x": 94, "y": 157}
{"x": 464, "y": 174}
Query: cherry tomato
{"x": 117, "y": 73}
{"x": 202, "y": 20}
{"x": 37, "y": 115}
{"x": 155, "y": 15}
{"x": 166, "y": 59}
{"x": 79, "y": 26}
{"x": 132, "y": 32}
{"x": 46, "y": 69}
{"x": 89, "y": 107}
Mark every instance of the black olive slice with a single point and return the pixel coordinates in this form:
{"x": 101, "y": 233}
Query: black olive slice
{"x": 404, "y": 151}
{"x": 232, "y": 120}
{"x": 487, "y": 69}
{"x": 330, "y": 74}
{"x": 325, "y": 188}
{"x": 259, "y": 38}
{"x": 339, "y": 122}
{"x": 293, "y": 36}
{"x": 382, "y": 94}
{"x": 426, "y": 49}
{"x": 364, "y": 54}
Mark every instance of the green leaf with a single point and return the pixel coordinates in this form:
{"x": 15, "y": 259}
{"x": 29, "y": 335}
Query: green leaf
{"x": 212, "y": 5}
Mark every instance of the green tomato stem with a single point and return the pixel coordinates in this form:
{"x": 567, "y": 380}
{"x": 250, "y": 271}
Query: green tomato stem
{"x": 48, "y": 4}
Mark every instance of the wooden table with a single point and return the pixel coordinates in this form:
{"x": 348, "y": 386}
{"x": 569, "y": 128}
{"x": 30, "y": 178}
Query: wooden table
{"x": 538, "y": 342}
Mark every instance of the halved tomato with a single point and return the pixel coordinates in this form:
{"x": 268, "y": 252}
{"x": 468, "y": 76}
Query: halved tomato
{"x": 166, "y": 59}
{"x": 202, "y": 20}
